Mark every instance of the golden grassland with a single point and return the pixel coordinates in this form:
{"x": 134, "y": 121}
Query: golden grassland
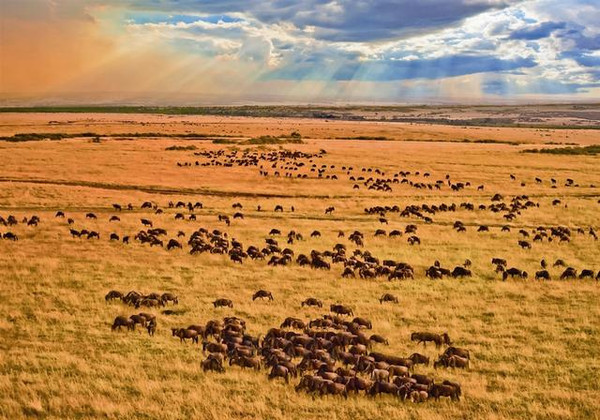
{"x": 535, "y": 345}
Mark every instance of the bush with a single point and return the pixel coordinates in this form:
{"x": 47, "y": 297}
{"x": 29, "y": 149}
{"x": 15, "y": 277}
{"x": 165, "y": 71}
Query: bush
{"x": 592, "y": 150}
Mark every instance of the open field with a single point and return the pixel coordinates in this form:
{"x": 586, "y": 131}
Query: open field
{"x": 534, "y": 344}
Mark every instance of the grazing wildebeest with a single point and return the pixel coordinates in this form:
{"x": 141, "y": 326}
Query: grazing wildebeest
{"x": 542, "y": 275}
{"x": 460, "y": 272}
{"x": 569, "y": 273}
{"x": 524, "y": 244}
{"x": 122, "y": 321}
{"x": 457, "y": 351}
{"x": 90, "y": 216}
{"x": 586, "y": 273}
{"x": 499, "y": 261}
{"x": 138, "y": 319}
{"x": 169, "y": 297}
{"x": 223, "y": 302}
{"x": 262, "y": 294}
{"x": 60, "y": 214}
{"x": 10, "y": 236}
{"x": 348, "y": 272}
{"x": 376, "y": 338}
{"x": 213, "y": 362}
{"x": 312, "y": 302}
{"x": 113, "y": 294}
{"x": 419, "y": 359}
{"x": 363, "y": 322}
{"x": 245, "y": 362}
{"x": 341, "y": 310}
{"x": 146, "y": 222}
{"x": 387, "y": 297}
{"x": 173, "y": 244}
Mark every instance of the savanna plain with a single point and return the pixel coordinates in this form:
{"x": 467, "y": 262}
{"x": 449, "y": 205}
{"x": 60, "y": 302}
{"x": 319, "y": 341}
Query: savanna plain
{"x": 534, "y": 344}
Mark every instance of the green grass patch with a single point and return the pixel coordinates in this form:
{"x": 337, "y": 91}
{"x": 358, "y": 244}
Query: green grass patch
{"x": 181, "y": 148}
{"x": 592, "y": 150}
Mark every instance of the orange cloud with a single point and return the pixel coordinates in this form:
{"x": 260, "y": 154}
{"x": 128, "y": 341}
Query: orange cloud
{"x": 37, "y": 56}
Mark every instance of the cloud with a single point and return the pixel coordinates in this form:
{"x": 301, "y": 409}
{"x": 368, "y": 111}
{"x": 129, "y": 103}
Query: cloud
{"x": 312, "y": 49}
{"x": 389, "y": 70}
{"x": 343, "y": 20}
{"x": 542, "y": 30}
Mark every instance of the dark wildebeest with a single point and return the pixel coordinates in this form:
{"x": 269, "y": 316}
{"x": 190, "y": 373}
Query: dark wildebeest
{"x": 424, "y": 337}
{"x": 542, "y": 275}
{"x": 223, "y": 302}
{"x": 419, "y": 359}
{"x": 184, "y": 334}
{"x": 213, "y": 362}
{"x": 169, "y": 297}
{"x": 438, "y": 391}
{"x": 122, "y": 321}
{"x": 312, "y": 302}
{"x": 281, "y": 372}
{"x": 341, "y": 310}
{"x": 387, "y": 297}
{"x": 173, "y": 244}
{"x": 113, "y": 294}
{"x": 262, "y": 294}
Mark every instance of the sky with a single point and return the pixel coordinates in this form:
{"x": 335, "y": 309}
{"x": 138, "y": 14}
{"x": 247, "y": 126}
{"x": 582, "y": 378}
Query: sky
{"x": 169, "y": 52}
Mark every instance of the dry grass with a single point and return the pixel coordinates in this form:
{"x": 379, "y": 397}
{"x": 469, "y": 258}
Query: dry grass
{"x": 535, "y": 345}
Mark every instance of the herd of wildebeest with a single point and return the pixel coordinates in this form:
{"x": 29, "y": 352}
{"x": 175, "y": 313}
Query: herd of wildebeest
{"x": 331, "y": 354}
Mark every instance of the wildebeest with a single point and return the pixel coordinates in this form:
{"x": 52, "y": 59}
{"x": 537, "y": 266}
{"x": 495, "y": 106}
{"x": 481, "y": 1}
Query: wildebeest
{"x": 461, "y": 272}
{"x": 122, "y": 321}
{"x": 169, "y": 297}
{"x": 419, "y": 359}
{"x": 185, "y": 334}
{"x": 262, "y": 294}
{"x": 524, "y": 244}
{"x": 542, "y": 275}
{"x": 173, "y": 244}
{"x": 213, "y": 362}
{"x": 569, "y": 273}
{"x": 424, "y": 337}
{"x": 10, "y": 236}
{"x": 376, "y": 338}
{"x": 112, "y": 295}
{"x": 341, "y": 310}
{"x": 457, "y": 351}
{"x": 387, "y": 297}
{"x": 312, "y": 302}
{"x": 223, "y": 302}
{"x": 245, "y": 362}
{"x": 438, "y": 391}
{"x": 281, "y": 372}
